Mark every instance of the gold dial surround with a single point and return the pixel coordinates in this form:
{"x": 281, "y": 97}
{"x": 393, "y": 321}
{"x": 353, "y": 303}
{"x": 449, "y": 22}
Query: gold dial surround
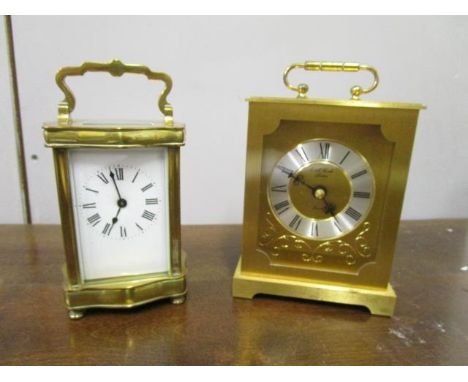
{"x": 321, "y": 189}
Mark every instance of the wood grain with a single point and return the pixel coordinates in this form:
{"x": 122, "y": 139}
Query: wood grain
{"x": 430, "y": 325}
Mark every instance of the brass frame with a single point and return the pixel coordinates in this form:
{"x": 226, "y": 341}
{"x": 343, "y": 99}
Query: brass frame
{"x": 368, "y": 285}
{"x": 117, "y": 292}
{"x": 112, "y": 136}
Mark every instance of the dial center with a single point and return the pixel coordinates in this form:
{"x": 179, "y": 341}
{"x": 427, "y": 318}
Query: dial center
{"x": 320, "y": 193}
{"x": 318, "y": 189}
{"x": 122, "y": 203}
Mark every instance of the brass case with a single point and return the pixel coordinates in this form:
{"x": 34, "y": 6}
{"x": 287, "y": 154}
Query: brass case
{"x": 66, "y": 134}
{"x": 275, "y": 261}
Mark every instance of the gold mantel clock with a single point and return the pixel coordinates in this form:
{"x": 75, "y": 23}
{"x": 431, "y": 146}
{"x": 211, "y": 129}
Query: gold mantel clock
{"x": 118, "y": 189}
{"x": 325, "y": 181}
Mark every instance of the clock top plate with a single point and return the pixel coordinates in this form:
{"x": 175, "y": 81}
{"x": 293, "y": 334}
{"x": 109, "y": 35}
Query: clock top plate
{"x": 335, "y": 102}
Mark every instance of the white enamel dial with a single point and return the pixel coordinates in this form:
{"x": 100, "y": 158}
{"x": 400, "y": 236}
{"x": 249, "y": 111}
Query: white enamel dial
{"x": 321, "y": 189}
{"x": 121, "y": 211}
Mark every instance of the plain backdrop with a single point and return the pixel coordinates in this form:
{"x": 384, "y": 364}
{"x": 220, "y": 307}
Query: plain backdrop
{"x": 218, "y": 62}
{"x": 10, "y": 197}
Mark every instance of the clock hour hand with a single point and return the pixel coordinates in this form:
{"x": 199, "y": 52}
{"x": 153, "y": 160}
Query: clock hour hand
{"x": 115, "y": 219}
{"x": 108, "y": 227}
{"x": 329, "y": 208}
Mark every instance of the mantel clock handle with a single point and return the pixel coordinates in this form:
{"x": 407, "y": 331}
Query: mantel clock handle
{"x": 356, "y": 91}
{"x": 116, "y": 68}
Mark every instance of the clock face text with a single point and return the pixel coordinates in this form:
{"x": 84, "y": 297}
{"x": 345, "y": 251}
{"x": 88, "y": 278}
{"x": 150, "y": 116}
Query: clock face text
{"x": 321, "y": 189}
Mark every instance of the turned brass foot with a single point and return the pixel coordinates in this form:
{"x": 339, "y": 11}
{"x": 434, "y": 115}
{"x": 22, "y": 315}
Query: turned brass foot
{"x": 75, "y": 314}
{"x": 178, "y": 300}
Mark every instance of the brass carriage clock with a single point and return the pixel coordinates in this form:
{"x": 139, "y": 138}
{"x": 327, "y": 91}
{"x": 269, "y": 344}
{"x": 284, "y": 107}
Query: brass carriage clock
{"x": 118, "y": 189}
{"x": 325, "y": 181}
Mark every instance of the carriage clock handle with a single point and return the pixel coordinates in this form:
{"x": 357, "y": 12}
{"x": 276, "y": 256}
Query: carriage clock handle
{"x": 116, "y": 68}
{"x": 356, "y": 91}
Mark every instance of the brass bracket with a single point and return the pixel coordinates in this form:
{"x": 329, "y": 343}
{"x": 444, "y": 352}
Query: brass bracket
{"x": 116, "y": 68}
{"x": 356, "y": 91}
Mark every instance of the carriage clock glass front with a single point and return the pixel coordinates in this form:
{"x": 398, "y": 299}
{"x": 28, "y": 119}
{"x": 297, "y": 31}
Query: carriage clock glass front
{"x": 325, "y": 181}
{"x": 118, "y": 189}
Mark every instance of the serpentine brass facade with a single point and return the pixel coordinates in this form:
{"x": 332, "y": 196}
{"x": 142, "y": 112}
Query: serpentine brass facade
{"x": 66, "y": 134}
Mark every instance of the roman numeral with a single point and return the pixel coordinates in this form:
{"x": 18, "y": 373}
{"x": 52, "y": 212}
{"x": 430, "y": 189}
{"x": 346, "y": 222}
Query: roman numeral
{"x": 295, "y": 222}
{"x": 353, "y": 213}
{"x": 151, "y": 201}
{"x": 337, "y": 225}
{"x": 119, "y": 173}
{"x": 344, "y": 158}
{"x": 133, "y": 180}
{"x": 302, "y": 154}
{"x": 314, "y": 229}
{"x": 147, "y": 187}
{"x": 358, "y": 174}
{"x": 139, "y": 226}
{"x": 89, "y": 205}
{"x": 361, "y": 194}
{"x": 282, "y": 188}
{"x": 325, "y": 150}
{"x": 148, "y": 215}
{"x": 285, "y": 170}
{"x": 282, "y": 206}
{"x": 107, "y": 229}
{"x": 123, "y": 232}
{"x": 103, "y": 178}
{"x": 90, "y": 189}
{"x": 94, "y": 219}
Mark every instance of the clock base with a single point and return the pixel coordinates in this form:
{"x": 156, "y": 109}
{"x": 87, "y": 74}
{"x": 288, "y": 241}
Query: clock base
{"x": 379, "y": 302}
{"x": 124, "y": 294}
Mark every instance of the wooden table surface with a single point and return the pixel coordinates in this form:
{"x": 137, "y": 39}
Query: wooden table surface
{"x": 430, "y": 325}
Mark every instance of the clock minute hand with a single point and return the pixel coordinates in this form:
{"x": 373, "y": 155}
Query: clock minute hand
{"x": 121, "y": 202}
{"x": 111, "y": 174}
{"x": 300, "y": 179}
